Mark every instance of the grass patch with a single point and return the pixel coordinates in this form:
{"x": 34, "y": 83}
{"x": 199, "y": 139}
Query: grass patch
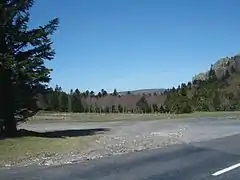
{"x": 95, "y": 117}
{"x": 23, "y": 148}
{"x": 218, "y": 114}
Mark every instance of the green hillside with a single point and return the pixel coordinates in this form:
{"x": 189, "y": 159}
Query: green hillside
{"x": 219, "y": 90}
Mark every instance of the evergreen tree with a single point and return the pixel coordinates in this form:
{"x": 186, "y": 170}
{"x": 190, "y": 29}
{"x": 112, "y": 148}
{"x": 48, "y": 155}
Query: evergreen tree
{"x": 104, "y": 93}
{"x": 99, "y": 95}
{"x": 23, "y": 73}
{"x": 115, "y": 93}
{"x": 92, "y": 94}
{"x": 142, "y": 104}
{"x": 183, "y": 91}
{"x": 179, "y": 88}
{"x": 195, "y": 82}
{"x": 76, "y": 102}
{"x": 183, "y": 86}
{"x": 173, "y": 89}
{"x": 87, "y": 93}
{"x": 189, "y": 85}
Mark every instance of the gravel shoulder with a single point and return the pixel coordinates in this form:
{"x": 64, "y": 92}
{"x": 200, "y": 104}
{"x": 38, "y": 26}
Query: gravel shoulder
{"x": 127, "y": 136}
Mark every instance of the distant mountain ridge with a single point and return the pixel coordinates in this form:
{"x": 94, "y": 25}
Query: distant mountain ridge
{"x": 144, "y": 91}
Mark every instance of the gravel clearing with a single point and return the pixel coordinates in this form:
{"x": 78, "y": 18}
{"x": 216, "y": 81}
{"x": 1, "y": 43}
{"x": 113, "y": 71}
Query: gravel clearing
{"x": 125, "y": 137}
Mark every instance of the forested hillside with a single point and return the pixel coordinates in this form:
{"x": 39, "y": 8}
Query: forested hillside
{"x": 76, "y": 101}
{"x": 217, "y": 90}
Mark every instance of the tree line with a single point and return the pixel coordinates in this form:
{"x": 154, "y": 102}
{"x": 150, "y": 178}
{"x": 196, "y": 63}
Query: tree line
{"x": 210, "y": 94}
{"x": 59, "y": 101}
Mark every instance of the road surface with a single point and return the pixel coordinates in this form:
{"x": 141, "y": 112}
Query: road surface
{"x": 215, "y": 159}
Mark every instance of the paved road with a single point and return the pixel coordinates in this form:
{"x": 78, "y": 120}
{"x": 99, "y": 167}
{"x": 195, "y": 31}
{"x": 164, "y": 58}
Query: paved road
{"x": 192, "y": 161}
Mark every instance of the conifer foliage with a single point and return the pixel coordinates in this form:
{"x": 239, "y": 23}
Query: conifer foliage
{"x": 23, "y": 51}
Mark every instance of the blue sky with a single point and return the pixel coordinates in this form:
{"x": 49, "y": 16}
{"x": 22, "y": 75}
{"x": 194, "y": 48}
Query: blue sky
{"x": 133, "y": 44}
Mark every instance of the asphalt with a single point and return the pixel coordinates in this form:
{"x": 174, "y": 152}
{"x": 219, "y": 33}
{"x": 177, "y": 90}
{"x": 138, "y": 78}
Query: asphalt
{"x": 191, "y": 161}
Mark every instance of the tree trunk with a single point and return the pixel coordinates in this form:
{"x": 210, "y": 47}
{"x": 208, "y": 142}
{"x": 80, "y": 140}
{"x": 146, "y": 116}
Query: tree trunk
{"x": 7, "y": 105}
{"x": 10, "y": 127}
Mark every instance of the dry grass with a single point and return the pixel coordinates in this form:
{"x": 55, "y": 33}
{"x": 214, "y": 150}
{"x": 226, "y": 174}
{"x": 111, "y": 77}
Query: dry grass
{"x": 96, "y": 117}
{"x": 18, "y": 149}
{"x": 24, "y": 148}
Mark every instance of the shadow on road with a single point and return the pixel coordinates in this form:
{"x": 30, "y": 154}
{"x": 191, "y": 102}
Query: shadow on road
{"x": 62, "y": 133}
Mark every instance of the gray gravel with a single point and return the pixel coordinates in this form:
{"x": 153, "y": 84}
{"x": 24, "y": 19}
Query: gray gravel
{"x": 126, "y": 137}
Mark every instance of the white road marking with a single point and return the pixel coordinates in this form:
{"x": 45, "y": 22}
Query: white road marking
{"x": 226, "y": 169}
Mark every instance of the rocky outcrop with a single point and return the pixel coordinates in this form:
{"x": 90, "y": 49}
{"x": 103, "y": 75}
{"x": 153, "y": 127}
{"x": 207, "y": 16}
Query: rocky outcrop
{"x": 221, "y": 66}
